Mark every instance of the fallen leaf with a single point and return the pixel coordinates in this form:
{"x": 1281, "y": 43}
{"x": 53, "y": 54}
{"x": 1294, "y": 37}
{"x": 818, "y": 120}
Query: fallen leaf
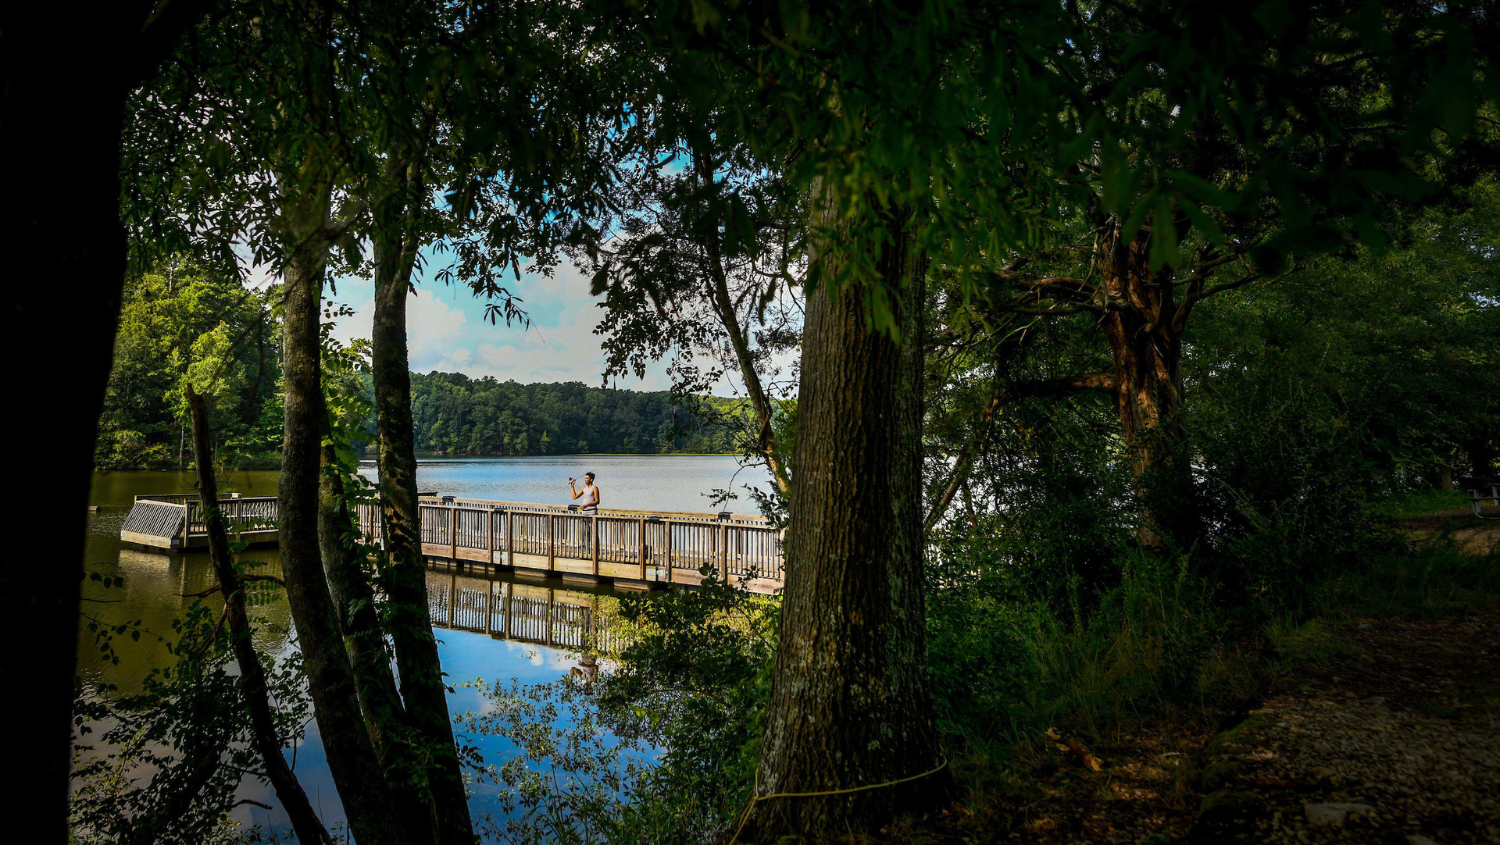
{"x": 1085, "y": 757}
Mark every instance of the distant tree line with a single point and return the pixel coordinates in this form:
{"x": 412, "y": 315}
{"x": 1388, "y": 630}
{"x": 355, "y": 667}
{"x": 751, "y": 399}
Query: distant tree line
{"x": 183, "y": 322}
{"x": 458, "y": 415}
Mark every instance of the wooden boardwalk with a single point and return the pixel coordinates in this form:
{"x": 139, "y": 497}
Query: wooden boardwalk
{"x": 631, "y": 548}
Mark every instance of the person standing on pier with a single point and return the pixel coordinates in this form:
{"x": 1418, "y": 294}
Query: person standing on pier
{"x": 590, "y": 503}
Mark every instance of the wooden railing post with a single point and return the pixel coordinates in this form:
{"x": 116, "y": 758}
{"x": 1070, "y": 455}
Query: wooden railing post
{"x": 453, "y": 532}
{"x": 666, "y": 527}
{"x": 594, "y": 541}
{"x": 551, "y": 543}
{"x": 642, "y": 550}
{"x": 489, "y": 536}
{"x": 724, "y": 552}
{"x": 510, "y": 539}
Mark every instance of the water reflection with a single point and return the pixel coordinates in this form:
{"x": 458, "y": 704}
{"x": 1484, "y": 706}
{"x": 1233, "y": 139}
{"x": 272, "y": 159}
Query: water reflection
{"x": 534, "y": 612}
{"x": 494, "y": 627}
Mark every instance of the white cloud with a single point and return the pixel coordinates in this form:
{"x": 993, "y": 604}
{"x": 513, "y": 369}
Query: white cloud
{"x": 447, "y": 331}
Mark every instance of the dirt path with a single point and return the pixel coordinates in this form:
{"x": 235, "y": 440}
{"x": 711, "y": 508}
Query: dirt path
{"x": 1397, "y": 741}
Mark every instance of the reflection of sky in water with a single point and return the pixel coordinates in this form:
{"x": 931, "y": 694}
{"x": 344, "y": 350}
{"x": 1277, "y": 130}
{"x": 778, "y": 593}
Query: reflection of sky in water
{"x": 466, "y": 656}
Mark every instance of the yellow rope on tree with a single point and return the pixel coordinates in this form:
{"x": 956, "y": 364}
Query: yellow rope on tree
{"x": 745, "y": 815}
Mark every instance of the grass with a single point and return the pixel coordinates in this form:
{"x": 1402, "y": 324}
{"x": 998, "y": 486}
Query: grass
{"x": 1422, "y": 503}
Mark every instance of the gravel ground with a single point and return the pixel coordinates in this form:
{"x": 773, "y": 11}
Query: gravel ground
{"x": 1398, "y": 743}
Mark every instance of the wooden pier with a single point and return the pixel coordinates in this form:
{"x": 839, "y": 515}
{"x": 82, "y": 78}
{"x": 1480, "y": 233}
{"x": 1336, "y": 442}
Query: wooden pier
{"x": 630, "y": 548}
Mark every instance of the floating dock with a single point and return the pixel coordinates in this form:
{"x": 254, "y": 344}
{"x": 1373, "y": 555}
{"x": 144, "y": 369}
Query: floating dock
{"x": 630, "y": 548}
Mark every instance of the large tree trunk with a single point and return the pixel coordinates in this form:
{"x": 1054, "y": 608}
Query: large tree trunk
{"x": 351, "y": 757}
{"x": 410, "y": 623}
{"x": 60, "y": 121}
{"x": 252, "y": 685}
{"x": 849, "y": 705}
{"x": 1146, "y": 343}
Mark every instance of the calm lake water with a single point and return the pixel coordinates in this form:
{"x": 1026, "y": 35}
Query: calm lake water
{"x": 156, "y": 586}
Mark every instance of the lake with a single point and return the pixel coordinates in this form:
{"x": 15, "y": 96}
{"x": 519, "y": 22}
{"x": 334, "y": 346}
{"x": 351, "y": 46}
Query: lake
{"x": 156, "y": 587}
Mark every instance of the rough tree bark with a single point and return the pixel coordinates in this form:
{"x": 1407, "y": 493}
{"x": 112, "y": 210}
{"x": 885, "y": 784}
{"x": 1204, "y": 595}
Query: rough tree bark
{"x": 60, "y": 123}
{"x": 850, "y": 705}
{"x": 252, "y": 685}
{"x": 410, "y": 622}
{"x": 351, "y": 757}
{"x": 1145, "y": 340}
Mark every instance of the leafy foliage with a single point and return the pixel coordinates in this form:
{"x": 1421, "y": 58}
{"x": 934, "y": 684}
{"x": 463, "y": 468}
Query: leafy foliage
{"x": 188, "y": 322}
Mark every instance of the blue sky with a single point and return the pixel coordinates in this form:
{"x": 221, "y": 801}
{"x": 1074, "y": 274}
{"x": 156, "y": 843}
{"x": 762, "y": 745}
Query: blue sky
{"x": 447, "y": 331}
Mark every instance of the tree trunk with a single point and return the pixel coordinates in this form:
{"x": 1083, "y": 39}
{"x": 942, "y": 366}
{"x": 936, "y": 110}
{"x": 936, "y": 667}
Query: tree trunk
{"x": 724, "y": 304}
{"x": 1146, "y": 343}
{"x": 351, "y": 757}
{"x": 1481, "y": 454}
{"x": 252, "y": 685}
{"x": 849, "y": 705}
{"x": 965, "y": 461}
{"x": 410, "y": 622}
{"x": 364, "y": 638}
{"x": 765, "y": 442}
{"x": 61, "y": 121}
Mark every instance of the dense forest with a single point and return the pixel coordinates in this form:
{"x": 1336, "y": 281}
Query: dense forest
{"x": 458, "y": 415}
{"x": 184, "y": 323}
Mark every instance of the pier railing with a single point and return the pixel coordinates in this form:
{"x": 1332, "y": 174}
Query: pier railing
{"x": 633, "y": 545}
{"x": 646, "y": 546}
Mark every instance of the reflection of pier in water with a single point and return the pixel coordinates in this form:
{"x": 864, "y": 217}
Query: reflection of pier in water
{"x": 528, "y": 613}
{"x": 633, "y": 548}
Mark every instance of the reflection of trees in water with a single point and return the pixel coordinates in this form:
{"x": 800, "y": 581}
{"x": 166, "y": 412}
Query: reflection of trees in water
{"x": 158, "y": 589}
{"x": 530, "y": 613}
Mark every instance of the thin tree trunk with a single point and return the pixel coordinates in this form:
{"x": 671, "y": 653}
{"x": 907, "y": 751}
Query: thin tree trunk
{"x": 252, "y": 685}
{"x": 850, "y": 706}
{"x": 724, "y": 304}
{"x": 963, "y": 463}
{"x": 410, "y": 622}
{"x": 351, "y": 757}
